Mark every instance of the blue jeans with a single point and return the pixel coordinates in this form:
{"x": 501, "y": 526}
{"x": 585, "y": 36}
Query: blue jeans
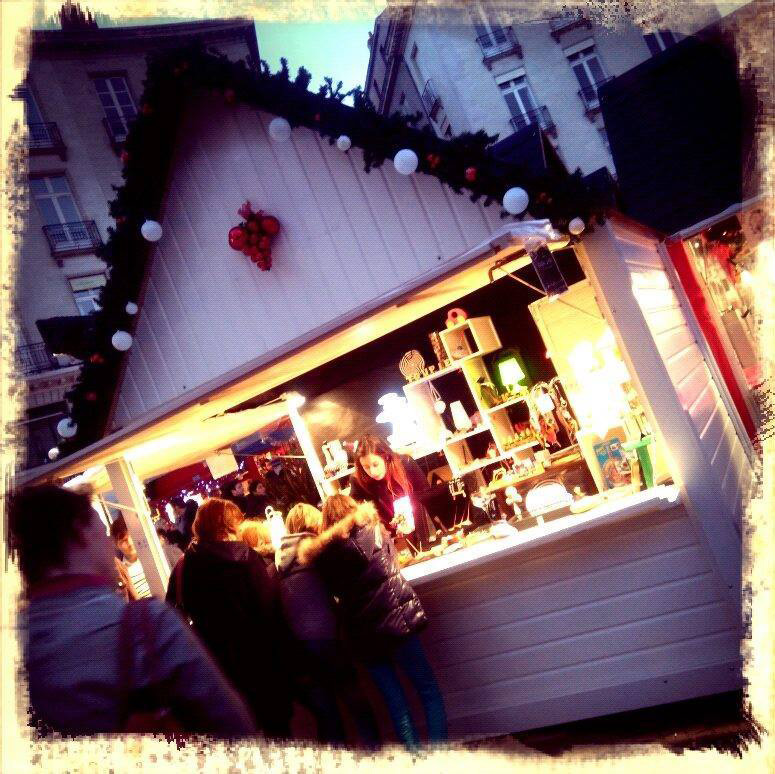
{"x": 410, "y": 656}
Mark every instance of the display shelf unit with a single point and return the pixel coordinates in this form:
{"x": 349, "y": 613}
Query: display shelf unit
{"x": 341, "y": 474}
{"x": 466, "y": 345}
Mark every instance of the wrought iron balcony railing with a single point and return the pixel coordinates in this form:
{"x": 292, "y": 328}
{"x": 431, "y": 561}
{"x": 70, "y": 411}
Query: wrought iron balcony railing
{"x": 540, "y": 116}
{"x": 78, "y": 237}
{"x": 116, "y": 134}
{"x": 589, "y": 96}
{"x": 430, "y": 99}
{"x": 500, "y": 42}
{"x": 563, "y": 24}
{"x": 45, "y": 138}
{"x": 35, "y": 359}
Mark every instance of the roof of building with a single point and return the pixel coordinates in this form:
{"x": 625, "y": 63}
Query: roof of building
{"x": 681, "y": 127}
{"x": 146, "y": 36}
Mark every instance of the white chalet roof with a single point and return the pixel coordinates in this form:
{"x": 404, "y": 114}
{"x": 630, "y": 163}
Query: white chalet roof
{"x": 347, "y": 238}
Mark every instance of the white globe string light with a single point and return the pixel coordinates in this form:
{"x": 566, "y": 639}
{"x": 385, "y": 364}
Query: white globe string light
{"x": 279, "y": 129}
{"x": 151, "y": 231}
{"x": 405, "y": 161}
{"x": 131, "y": 307}
{"x": 67, "y": 428}
{"x": 121, "y": 340}
{"x": 576, "y": 226}
{"x": 53, "y": 453}
{"x": 515, "y": 200}
{"x": 344, "y": 143}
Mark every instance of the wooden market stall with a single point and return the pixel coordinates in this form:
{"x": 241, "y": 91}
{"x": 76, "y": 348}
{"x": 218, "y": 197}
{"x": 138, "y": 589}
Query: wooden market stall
{"x": 623, "y": 595}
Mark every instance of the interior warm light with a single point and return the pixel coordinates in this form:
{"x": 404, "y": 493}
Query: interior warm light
{"x": 511, "y": 373}
{"x": 746, "y": 278}
{"x": 295, "y": 399}
{"x": 395, "y": 409}
{"x": 555, "y": 297}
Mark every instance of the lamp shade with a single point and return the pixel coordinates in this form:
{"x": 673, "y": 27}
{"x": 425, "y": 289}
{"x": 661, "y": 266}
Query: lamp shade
{"x": 510, "y": 372}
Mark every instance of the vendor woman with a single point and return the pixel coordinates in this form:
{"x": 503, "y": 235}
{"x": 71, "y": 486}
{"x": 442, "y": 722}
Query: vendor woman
{"x": 382, "y": 477}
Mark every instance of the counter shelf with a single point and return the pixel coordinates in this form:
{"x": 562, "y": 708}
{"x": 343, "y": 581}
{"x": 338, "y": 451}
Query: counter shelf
{"x": 658, "y": 498}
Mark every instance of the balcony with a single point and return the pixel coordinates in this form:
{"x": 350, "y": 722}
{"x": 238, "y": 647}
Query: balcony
{"x": 76, "y": 238}
{"x": 44, "y": 139}
{"x": 590, "y": 99}
{"x": 559, "y": 26}
{"x": 35, "y": 359}
{"x": 431, "y": 100}
{"x": 116, "y": 135}
{"x": 500, "y": 42}
{"x": 538, "y": 116}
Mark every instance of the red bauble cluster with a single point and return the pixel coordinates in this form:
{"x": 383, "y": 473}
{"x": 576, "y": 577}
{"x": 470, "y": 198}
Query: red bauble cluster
{"x": 253, "y": 237}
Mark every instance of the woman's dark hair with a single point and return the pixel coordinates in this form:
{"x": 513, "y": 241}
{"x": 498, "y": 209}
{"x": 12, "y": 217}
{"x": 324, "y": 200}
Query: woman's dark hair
{"x": 43, "y": 522}
{"x": 217, "y": 519}
{"x": 395, "y": 475}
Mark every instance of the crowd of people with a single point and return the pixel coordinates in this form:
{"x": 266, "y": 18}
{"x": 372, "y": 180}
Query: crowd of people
{"x": 257, "y": 627}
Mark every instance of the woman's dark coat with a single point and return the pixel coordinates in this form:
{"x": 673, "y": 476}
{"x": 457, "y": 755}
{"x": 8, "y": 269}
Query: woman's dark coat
{"x": 233, "y": 604}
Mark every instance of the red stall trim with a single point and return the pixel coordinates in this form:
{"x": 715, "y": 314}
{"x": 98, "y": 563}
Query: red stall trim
{"x": 697, "y": 299}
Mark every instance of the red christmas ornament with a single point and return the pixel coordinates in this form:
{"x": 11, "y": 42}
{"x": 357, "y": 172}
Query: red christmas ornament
{"x": 317, "y": 117}
{"x": 90, "y": 396}
{"x": 433, "y": 160}
{"x": 147, "y": 109}
{"x": 245, "y": 210}
{"x": 124, "y": 156}
{"x": 230, "y": 96}
{"x": 236, "y": 238}
{"x": 270, "y": 225}
{"x": 264, "y": 243}
{"x": 253, "y": 225}
{"x": 253, "y": 238}
{"x": 471, "y": 174}
{"x": 120, "y": 219}
{"x": 96, "y": 358}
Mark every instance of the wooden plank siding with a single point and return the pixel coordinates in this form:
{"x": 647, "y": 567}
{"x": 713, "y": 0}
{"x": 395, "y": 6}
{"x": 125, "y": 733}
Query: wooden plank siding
{"x": 347, "y": 238}
{"x": 696, "y": 389}
{"x": 590, "y": 615}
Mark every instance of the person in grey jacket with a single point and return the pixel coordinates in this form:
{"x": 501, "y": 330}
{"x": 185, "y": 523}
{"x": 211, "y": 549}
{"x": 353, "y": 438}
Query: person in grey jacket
{"x": 88, "y": 670}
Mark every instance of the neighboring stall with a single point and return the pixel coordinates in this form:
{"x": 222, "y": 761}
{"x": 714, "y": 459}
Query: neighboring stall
{"x": 584, "y": 434}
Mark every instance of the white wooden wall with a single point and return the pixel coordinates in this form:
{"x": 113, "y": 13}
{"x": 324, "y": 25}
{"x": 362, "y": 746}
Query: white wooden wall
{"x": 654, "y": 333}
{"x": 697, "y": 391}
{"x": 347, "y": 237}
{"x": 621, "y": 616}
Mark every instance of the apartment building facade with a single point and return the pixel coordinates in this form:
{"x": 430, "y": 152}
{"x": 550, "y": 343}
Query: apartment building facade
{"x": 81, "y": 93}
{"x": 478, "y": 65}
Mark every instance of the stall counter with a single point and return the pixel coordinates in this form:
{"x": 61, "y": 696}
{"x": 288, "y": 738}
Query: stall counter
{"x": 657, "y": 498}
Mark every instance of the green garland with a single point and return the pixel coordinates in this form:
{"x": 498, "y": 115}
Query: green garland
{"x": 171, "y": 77}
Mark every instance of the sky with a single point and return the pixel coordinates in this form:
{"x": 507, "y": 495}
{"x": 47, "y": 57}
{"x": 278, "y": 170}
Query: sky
{"x": 336, "y": 49}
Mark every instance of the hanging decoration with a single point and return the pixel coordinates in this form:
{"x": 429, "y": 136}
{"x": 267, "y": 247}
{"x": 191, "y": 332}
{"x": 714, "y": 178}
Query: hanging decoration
{"x": 53, "y": 453}
{"x": 173, "y": 74}
{"x": 439, "y": 406}
{"x": 515, "y": 201}
{"x": 279, "y": 129}
{"x": 405, "y": 161}
{"x": 343, "y": 142}
{"x": 151, "y": 231}
{"x": 576, "y": 226}
{"x": 131, "y": 308}
{"x": 253, "y": 237}
{"x": 67, "y": 428}
{"x": 455, "y": 317}
{"x": 121, "y": 340}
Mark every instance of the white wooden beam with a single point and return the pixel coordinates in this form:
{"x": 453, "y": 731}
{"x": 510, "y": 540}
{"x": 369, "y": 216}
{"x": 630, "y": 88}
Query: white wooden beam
{"x": 134, "y": 507}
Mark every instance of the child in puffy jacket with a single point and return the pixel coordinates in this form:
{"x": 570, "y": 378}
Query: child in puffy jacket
{"x": 382, "y": 614}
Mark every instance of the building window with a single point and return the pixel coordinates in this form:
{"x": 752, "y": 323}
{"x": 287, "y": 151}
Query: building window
{"x": 490, "y": 33}
{"x": 519, "y": 99}
{"x": 376, "y": 88}
{"x": 117, "y": 104}
{"x": 86, "y": 291}
{"x": 589, "y": 72}
{"x": 658, "y": 40}
{"x": 55, "y": 200}
{"x": 44, "y": 136}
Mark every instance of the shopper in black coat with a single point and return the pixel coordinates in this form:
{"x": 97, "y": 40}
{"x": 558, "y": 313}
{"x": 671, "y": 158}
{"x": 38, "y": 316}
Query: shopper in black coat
{"x": 234, "y": 607}
{"x": 381, "y": 612}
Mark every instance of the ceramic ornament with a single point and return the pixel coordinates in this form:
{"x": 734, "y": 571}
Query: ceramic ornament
{"x": 344, "y": 143}
{"x": 151, "y": 231}
{"x": 405, "y": 161}
{"x": 515, "y": 201}
{"x": 411, "y": 365}
{"x": 279, "y": 129}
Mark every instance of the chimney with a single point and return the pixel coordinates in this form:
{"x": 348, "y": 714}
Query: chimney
{"x": 73, "y": 19}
